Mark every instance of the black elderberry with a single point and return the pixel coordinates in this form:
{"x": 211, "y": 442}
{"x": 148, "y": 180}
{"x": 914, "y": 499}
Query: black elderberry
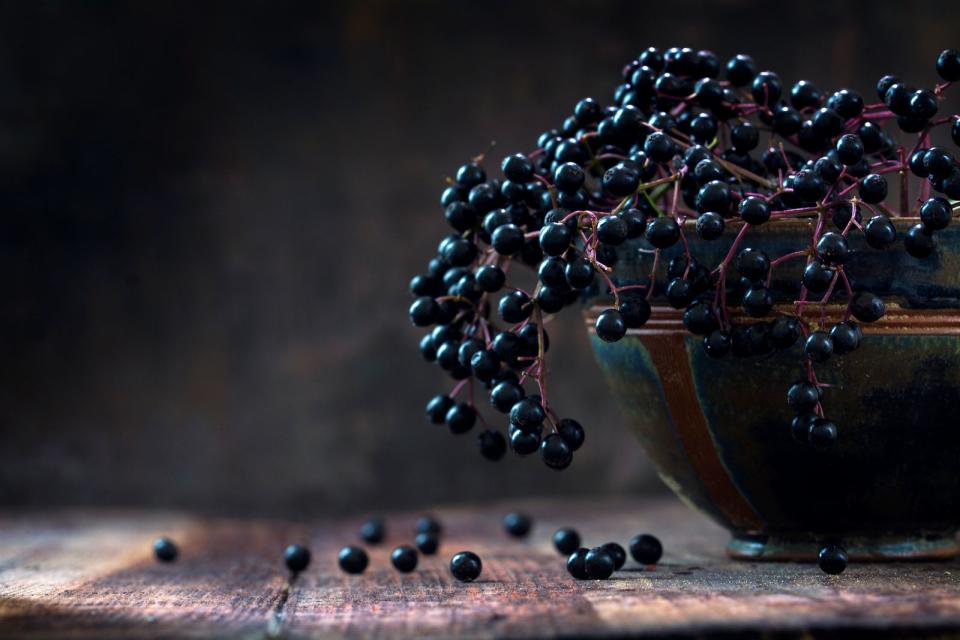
{"x": 845, "y": 336}
{"x": 938, "y": 162}
{"x": 372, "y": 531}
{"x": 879, "y": 232}
{"x": 948, "y": 65}
{"x": 753, "y": 210}
{"x": 703, "y": 128}
{"x": 404, "y": 559}
{"x": 757, "y": 301}
{"x": 352, "y": 560}
{"x": 517, "y": 168}
{"x": 437, "y": 408}
{"x": 817, "y": 276}
{"x": 566, "y": 541}
{"x": 803, "y": 396}
{"x": 506, "y": 345}
{"x": 849, "y": 150}
{"x": 610, "y": 325}
{"x": 646, "y": 549}
{"x": 818, "y": 346}
{"x": 517, "y": 525}
{"x": 898, "y": 98}
{"x": 804, "y": 94}
{"x": 571, "y": 432}
{"x": 485, "y": 365}
{"x": 576, "y": 564}
{"x": 708, "y": 92}
{"x": 786, "y": 121}
{"x": 598, "y": 564}
{"x": 527, "y": 414}
{"x": 524, "y": 443}
{"x": 164, "y": 549}
{"x": 717, "y": 344}
{"x": 555, "y": 238}
{"x": 460, "y": 252}
{"x": 847, "y": 103}
{"x": 505, "y": 395}
{"x": 515, "y": 307}
{"x": 484, "y": 197}
{"x": 663, "y": 232}
{"x": 470, "y": 175}
{"x": 507, "y": 239}
{"x": 617, "y": 553}
{"x": 466, "y": 566}
{"x": 740, "y": 70}
{"x": 579, "y": 273}
{"x": 800, "y": 427}
{"x": 710, "y": 225}
{"x": 935, "y": 213}
{"x": 679, "y": 293}
{"x": 460, "y": 418}
{"x": 571, "y": 150}
{"x": 823, "y": 434}
{"x": 611, "y": 230}
{"x": 635, "y": 311}
{"x": 832, "y": 248}
{"x": 785, "y": 332}
{"x": 427, "y": 543}
{"x": 873, "y": 188}
{"x": 634, "y": 221}
{"x": 713, "y": 196}
{"x": 707, "y": 170}
{"x": 872, "y": 137}
{"x": 809, "y": 186}
{"x": 427, "y": 524}
{"x": 659, "y": 147}
{"x": 555, "y": 451}
{"x": 766, "y": 88}
{"x": 493, "y": 445}
{"x": 923, "y": 105}
{"x": 296, "y": 557}
{"x": 826, "y": 123}
{"x": 699, "y": 319}
{"x": 744, "y": 137}
{"x": 620, "y": 180}
{"x": 832, "y": 559}
{"x": 753, "y": 264}
{"x": 424, "y": 311}
{"x": 867, "y": 307}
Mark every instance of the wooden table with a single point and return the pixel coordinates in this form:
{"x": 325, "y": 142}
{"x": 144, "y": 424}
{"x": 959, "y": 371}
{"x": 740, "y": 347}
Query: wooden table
{"x": 91, "y": 574}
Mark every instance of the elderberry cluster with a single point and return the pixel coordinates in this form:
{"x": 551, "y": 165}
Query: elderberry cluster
{"x": 687, "y": 145}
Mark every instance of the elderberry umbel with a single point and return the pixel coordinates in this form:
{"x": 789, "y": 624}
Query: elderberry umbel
{"x": 686, "y": 144}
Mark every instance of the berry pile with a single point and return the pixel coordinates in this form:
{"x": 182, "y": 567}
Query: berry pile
{"x": 687, "y": 145}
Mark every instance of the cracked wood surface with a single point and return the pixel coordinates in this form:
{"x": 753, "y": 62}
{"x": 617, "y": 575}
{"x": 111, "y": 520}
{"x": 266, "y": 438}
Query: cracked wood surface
{"x": 91, "y": 574}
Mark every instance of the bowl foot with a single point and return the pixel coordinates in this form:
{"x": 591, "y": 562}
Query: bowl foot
{"x": 860, "y": 548}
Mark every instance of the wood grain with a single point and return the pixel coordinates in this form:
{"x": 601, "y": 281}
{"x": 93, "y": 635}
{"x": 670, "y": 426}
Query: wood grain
{"x": 76, "y": 574}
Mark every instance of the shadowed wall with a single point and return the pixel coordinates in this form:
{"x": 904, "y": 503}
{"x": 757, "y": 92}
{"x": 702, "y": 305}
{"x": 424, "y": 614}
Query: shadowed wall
{"x": 209, "y": 215}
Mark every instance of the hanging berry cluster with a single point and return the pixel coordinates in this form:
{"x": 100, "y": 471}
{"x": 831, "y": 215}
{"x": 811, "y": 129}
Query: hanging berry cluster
{"x": 679, "y": 144}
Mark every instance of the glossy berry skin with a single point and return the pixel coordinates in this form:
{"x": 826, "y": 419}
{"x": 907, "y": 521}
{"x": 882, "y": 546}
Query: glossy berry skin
{"x": 873, "y": 188}
{"x": 490, "y": 278}
{"x": 466, "y": 566}
{"x": 296, "y": 557}
{"x": 744, "y": 137}
{"x": 373, "y": 531}
{"x": 517, "y": 525}
{"x": 579, "y": 274}
{"x": 555, "y": 238}
{"x": 845, "y": 336}
{"x": 505, "y": 395}
{"x": 832, "y": 248}
{"x": 753, "y": 210}
{"x": 879, "y": 232}
{"x": 740, "y": 70}
{"x": 353, "y": 560}
{"x": 571, "y": 432}
{"x": 424, "y": 311}
{"x": 610, "y": 325}
{"x": 823, "y": 434}
{"x": 598, "y": 564}
{"x": 817, "y": 276}
{"x": 165, "y": 550}
{"x": 849, "y": 149}
{"x": 568, "y": 177}
{"x": 710, "y": 225}
{"x": 800, "y": 427}
{"x": 753, "y": 264}
{"x": 663, "y": 232}
{"x": 404, "y": 559}
{"x": 620, "y": 181}
{"x": 460, "y": 419}
{"x": 935, "y": 213}
{"x": 566, "y": 541}
{"x": 527, "y": 414}
{"x": 611, "y": 231}
{"x": 437, "y": 408}
{"x": 576, "y": 564}
{"x": 757, "y": 301}
{"x": 832, "y": 559}
{"x": 847, "y": 103}
{"x": 867, "y": 307}
{"x": 507, "y": 239}
{"x": 717, "y": 344}
{"x": 427, "y": 524}
{"x": 766, "y": 88}
{"x": 635, "y": 311}
{"x": 555, "y": 451}
{"x": 646, "y": 549}
{"x": 818, "y": 346}
{"x": 713, "y": 196}
{"x": 948, "y": 65}
{"x": 517, "y": 168}
{"x": 524, "y": 443}
{"x": 920, "y": 241}
{"x": 616, "y": 552}
{"x": 493, "y": 446}
{"x": 427, "y": 543}
{"x": 803, "y": 396}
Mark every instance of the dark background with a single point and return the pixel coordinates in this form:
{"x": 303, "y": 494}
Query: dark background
{"x": 209, "y": 214}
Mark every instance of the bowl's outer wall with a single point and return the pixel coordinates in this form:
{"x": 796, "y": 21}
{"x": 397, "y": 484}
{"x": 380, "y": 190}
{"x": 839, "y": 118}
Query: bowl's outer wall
{"x": 718, "y": 430}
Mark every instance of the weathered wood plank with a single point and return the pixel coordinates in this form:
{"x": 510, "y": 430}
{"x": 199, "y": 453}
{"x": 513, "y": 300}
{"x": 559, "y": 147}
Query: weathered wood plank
{"x": 92, "y": 575}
